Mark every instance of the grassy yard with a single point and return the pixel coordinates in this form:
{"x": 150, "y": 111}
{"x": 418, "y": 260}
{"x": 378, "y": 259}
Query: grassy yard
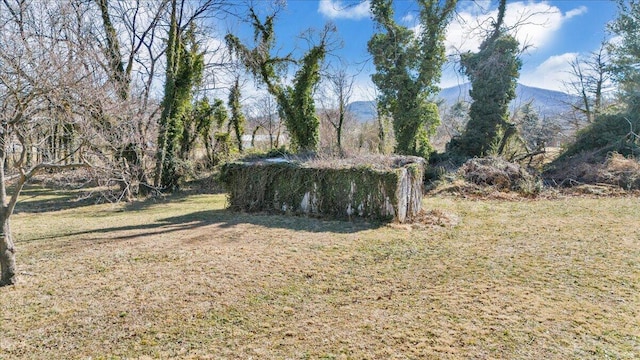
{"x": 184, "y": 278}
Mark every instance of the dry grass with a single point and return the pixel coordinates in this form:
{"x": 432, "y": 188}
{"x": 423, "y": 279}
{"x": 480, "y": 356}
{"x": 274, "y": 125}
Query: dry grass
{"x": 186, "y": 279}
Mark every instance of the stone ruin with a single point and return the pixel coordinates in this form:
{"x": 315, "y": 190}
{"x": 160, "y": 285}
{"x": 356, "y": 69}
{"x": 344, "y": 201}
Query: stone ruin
{"x": 381, "y": 188}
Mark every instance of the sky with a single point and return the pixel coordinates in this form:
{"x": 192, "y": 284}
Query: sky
{"x": 555, "y": 33}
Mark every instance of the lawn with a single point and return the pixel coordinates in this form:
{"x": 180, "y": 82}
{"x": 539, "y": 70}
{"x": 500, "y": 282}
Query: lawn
{"x": 184, "y": 278}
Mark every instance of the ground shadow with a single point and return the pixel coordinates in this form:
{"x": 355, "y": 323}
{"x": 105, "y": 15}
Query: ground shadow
{"x": 227, "y": 219}
{"x": 36, "y": 199}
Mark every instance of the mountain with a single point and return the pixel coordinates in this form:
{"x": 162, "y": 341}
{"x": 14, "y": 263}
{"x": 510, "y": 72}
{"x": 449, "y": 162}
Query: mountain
{"x": 548, "y": 103}
{"x": 363, "y": 110}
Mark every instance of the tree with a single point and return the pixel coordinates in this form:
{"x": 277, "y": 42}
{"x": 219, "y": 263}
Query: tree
{"x": 133, "y": 43}
{"x": 185, "y": 66}
{"x": 237, "y": 121}
{"x": 625, "y": 53}
{"x": 46, "y": 66}
{"x": 295, "y": 103}
{"x": 617, "y": 131}
{"x": 130, "y": 40}
{"x": 334, "y": 104}
{"x": 139, "y": 34}
{"x": 264, "y": 115}
{"x": 197, "y": 125}
{"x": 454, "y": 120}
{"x": 220, "y": 139}
{"x": 408, "y": 68}
{"x": 536, "y": 132}
{"x": 493, "y": 72}
{"x": 590, "y": 76}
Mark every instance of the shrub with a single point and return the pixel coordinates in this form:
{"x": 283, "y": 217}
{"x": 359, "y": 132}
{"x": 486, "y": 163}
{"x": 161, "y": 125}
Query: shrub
{"x": 609, "y": 133}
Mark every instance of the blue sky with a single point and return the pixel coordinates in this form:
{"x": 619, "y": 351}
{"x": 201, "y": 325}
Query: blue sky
{"x": 556, "y": 32}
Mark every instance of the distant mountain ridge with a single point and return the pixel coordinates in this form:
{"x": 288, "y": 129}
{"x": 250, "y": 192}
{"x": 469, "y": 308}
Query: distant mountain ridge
{"x": 548, "y": 103}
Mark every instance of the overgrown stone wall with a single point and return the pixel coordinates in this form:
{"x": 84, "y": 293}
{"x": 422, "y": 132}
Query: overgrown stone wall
{"x": 381, "y": 188}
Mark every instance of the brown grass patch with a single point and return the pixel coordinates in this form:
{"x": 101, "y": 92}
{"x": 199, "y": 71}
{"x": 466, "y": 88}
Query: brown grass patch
{"x": 467, "y": 190}
{"x": 187, "y": 279}
{"x": 434, "y": 218}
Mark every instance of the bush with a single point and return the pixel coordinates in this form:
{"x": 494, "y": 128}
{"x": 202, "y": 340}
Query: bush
{"x": 609, "y": 133}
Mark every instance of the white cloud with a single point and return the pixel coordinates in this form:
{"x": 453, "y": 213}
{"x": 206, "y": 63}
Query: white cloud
{"x": 538, "y": 23}
{"x": 576, "y": 12}
{"x": 336, "y": 9}
{"x": 551, "y": 73}
{"x": 408, "y": 19}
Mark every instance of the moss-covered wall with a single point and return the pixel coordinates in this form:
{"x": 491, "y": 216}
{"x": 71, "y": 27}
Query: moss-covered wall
{"x": 339, "y": 192}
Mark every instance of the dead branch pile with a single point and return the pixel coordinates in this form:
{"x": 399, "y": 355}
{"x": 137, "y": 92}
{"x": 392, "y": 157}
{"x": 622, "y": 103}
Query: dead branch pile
{"x": 500, "y": 174}
{"x": 588, "y": 168}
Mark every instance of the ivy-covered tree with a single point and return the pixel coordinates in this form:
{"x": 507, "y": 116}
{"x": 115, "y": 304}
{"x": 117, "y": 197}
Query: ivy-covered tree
{"x": 493, "y": 72}
{"x": 295, "y": 103}
{"x": 217, "y": 143}
{"x": 408, "y": 68}
{"x": 237, "y": 121}
{"x": 185, "y": 66}
{"x": 197, "y": 125}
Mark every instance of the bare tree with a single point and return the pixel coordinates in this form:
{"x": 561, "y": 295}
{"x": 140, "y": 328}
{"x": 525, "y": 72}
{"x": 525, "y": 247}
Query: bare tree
{"x": 46, "y": 71}
{"x": 337, "y": 95}
{"x": 590, "y": 77}
{"x": 263, "y": 114}
{"x": 454, "y": 118}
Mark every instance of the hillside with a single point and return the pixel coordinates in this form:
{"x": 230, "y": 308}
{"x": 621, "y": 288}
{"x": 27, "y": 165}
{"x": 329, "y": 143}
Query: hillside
{"x": 548, "y": 103}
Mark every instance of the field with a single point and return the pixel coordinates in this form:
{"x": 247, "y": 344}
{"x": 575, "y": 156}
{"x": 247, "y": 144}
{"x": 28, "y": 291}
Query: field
{"x": 184, "y": 278}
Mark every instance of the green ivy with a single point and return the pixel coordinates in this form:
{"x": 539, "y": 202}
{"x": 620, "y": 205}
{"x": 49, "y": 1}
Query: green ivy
{"x": 295, "y": 103}
{"x": 185, "y": 66}
{"x": 408, "y": 67}
{"x": 493, "y": 72}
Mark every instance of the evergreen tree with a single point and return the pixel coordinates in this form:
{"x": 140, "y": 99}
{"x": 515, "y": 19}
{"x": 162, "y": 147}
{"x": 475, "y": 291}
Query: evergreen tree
{"x": 536, "y": 132}
{"x": 408, "y": 67}
{"x": 493, "y": 72}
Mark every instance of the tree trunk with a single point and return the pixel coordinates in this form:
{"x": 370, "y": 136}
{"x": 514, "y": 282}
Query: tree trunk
{"x": 339, "y": 130}
{"x": 253, "y": 136}
{"x": 7, "y": 252}
{"x": 270, "y": 138}
{"x": 382, "y": 135}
